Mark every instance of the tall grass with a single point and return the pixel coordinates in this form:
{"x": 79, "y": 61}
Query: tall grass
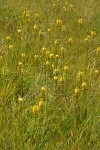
{"x": 49, "y": 75}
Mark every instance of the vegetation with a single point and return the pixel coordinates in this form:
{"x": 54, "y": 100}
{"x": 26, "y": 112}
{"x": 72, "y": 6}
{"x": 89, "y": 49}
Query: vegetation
{"x": 49, "y": 75}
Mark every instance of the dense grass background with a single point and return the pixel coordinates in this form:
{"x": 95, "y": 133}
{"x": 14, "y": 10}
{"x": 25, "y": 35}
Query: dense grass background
{"x": 38, "y": 60}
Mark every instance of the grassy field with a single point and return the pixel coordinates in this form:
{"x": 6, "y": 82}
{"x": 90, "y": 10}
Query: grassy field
{"x": 49, "y": 75}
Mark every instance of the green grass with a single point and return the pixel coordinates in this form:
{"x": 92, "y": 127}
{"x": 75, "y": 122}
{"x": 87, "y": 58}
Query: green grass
{"x": 68, "y": 120}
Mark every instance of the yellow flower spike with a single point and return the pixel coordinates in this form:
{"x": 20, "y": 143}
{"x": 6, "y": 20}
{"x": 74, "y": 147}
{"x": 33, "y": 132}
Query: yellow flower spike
{"x": 44, "y": 49}
{"x": 20, "y": 100}
{"x": 23, "y": 55}
{"x": 47, "y": 63}
{"x": 56, "y": 72}
{"x": 8, "y": 38}
{"x": 10, "y": 46}
{"x": 0, "y": 57}
{"x": 35, "y": 109}
{"x": 62, "y": 49}
{"x": 71, "y": 6}
{"x": 59, "y": 22}
{"x": 41, "y": 104}
{"x": 55, "y": 79}
{"x": 96, "y": 74}
{"x": 62, "y": 80}
{"x": 70, "y": 40}
{"x": 47, "y": 52}
{"x": 43, "y": 90}
{"x": 35, "y": 27}
{"x": 24, "y": 12}
{"x": 64, "y": 8}
{"x": 28, "y": 20}
{"x": 41, "y": 33}
{"x": 20, "y": 64}
{"x": 37, "y": 15}
{"x": 76, "y": 92}
{"x": 36, "y": 57}
{"x": 98, "y": 50}
{"x": 93, "y": 33}
{"x": 87, "y": 39}
{"x": 80, "y": 21}
{"x": 53, "y": 6}
{"x": 56, "y": 42}
{"x": 52, "y": 67}
{"x": 27, "y": 15}
{"x": 67, "y": 3}
{"x": 49, "y": 31}
{"x": 19, "y": 31}
{"x": 57, "y": 56}
{"x": 66, "y": 68}
{"x": 80, "y": 76}
{"x": 83, "y": 86}
{"x": 51, "y": 56}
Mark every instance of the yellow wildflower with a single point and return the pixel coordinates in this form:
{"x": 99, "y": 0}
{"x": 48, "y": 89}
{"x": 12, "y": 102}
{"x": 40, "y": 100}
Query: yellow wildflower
{"x": 41, "y": 103}
{"x": 35, "y": 109}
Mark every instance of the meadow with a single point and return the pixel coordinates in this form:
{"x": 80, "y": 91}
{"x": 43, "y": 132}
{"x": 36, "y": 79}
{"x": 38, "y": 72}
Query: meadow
{"x": 50, "y": 75}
